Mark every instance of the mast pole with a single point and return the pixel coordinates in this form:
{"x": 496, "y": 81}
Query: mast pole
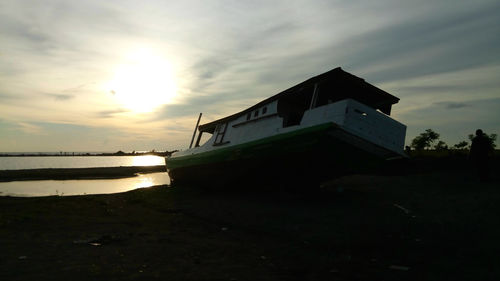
{"x": 194, "y": 133}
{"x": 314, "y": 97}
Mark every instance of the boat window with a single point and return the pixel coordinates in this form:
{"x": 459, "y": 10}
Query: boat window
{"x": 249, "y": 115}
{"x": 264, "y": 110}
{"x": 220, "y": 131}
{"x": 203, "y": 137}
{"x": 292, "y": 106}
{"x": 256, "y": 113}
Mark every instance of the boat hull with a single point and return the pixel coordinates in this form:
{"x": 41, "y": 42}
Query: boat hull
{"x": 304, "y": 157}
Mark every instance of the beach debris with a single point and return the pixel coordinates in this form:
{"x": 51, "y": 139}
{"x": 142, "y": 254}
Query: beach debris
{"x": 22, "y": 257}
{"x": 406, "y": 211}
{"x": 399, "y": 267}
{"x": 224, "y": 228}
{"x": 334, "y": 270}
{"x": 197, "y": 260}
{"x": 98, "y": 241}
{"x": 83, "y": 241}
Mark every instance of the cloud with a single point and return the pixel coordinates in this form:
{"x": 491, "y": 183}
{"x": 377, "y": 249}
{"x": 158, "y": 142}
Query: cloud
{"x": 177, "y": 127}
{"x": 30, "y": 128}
{"x": 440, "y": 57}
{"x": 111, "y": 113}
{"x": 433, "y": 43}
{"x": 60, "y": 97}
{"x": 452, "y": 105}
{"x": 49, "y": 137}
{"x": 454, "y": 121}
{"x": 4, "y": 97}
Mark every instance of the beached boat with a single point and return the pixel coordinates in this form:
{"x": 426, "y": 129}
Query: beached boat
{"x": 329, "y": 125}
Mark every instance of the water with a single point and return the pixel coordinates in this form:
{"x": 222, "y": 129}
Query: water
{"x": 79, "y": 187}
{"x": 40, "y": 162}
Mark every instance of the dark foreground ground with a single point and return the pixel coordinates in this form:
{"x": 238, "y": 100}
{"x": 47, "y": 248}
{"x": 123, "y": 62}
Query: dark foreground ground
{"x": 423, "y": 223}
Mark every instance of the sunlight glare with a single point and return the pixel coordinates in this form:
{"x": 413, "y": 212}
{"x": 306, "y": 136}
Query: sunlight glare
{"x": 144, "y": 181}
{"x": 143, "y": 82}
{"x": 148, "y": 160}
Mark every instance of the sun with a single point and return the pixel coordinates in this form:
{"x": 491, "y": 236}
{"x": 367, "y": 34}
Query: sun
{"x": 143, "y": 82}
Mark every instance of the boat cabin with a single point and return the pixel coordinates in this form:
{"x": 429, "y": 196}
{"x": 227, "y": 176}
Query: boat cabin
{"x": 286, "y": 110}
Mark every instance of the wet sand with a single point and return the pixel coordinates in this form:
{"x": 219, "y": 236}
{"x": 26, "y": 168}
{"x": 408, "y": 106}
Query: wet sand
{"x": 77, "y": 173}
{"x": 429, "y": 223}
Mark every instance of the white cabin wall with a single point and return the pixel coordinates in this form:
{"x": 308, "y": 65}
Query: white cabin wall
{"x": 334, "y": 112}
{"x": 248, "y": 131}
{"x": 258, "y": 129}
{"x": 360, "y": 120}
{"x": 375, "y": 126}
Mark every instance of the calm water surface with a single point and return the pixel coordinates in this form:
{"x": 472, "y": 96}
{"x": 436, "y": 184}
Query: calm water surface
{"x": 79, "y": 187}
{"x": 39, "y": 162}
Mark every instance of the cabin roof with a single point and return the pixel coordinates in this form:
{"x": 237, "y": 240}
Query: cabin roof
{"x": 346, "y": 84}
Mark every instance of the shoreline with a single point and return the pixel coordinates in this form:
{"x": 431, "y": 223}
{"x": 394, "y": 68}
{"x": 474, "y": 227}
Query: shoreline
{"x": 78, "y": 154}
{"x": 77, "y": 173}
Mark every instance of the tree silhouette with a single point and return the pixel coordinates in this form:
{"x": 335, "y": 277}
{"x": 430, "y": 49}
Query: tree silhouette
{"x": 461, "y": 145}
{"x": 441, "y": 145}
{"x": 425, "y": 140}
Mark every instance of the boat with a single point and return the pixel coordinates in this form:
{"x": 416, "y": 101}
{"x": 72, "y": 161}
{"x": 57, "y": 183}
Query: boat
{"x": 327, "y": 126}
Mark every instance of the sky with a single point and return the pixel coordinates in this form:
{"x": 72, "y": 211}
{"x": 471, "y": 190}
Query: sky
{"x": 133, "y": 75}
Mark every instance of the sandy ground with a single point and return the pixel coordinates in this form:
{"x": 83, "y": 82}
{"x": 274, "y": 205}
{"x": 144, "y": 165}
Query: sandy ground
{"x": 427, "y": 224}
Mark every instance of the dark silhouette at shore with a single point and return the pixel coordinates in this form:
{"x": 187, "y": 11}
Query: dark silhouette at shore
{"x": 480, "y": 152}
{"x": 77, "y": 173}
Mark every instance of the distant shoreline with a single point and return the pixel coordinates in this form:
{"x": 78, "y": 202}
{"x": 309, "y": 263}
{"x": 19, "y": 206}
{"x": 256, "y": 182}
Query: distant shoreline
{"x": 71, "y": 154}
{"x": 77, "y": 173}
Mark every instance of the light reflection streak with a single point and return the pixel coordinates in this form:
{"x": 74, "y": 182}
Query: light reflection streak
{"x": 143, "y": 181}
{"x": 147, "y": 160}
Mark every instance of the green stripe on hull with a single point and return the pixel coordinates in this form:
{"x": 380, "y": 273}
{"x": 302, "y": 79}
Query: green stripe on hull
{"x": 291, "y": 142}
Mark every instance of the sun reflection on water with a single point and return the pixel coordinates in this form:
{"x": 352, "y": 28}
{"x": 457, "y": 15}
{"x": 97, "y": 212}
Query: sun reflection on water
{"x": 144, "y": 181}
{"x": 147, "y": 160}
